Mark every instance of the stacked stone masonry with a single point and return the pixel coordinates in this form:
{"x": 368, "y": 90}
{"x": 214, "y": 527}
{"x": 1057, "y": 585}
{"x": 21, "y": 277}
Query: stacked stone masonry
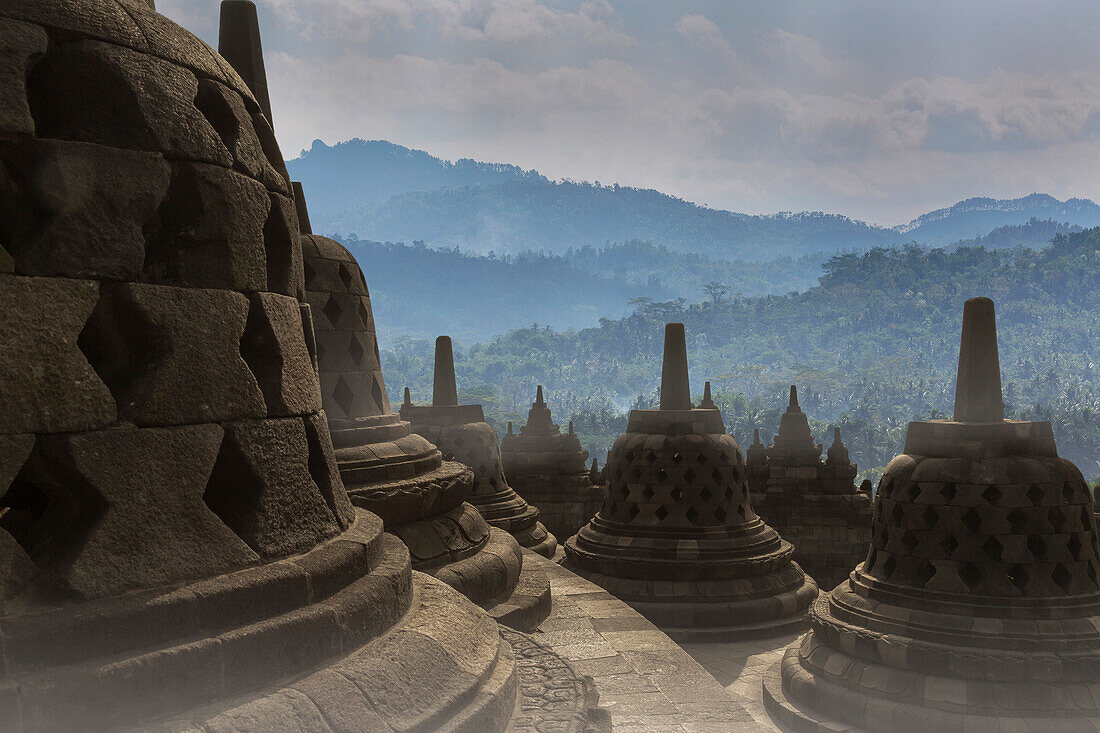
{"x": 813, "y": 503}
{"x": 677, "y": 537}
{"x": 977, "y": 605}
{"x": 393, "y": 472}
{"x": 548, "y": 469}
{"x": 177, "y": 548}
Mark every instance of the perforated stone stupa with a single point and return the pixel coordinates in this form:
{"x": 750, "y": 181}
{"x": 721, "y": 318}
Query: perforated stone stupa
{"x": 977, "y": 605}
{"x": 549, "y": 470}
{"x": 462, "y": 434}
{"x": 177, "y": 549}
{"x": 677, "y": 537}
{"x": 398, "y": 474}
{"x": 813, "y": 503}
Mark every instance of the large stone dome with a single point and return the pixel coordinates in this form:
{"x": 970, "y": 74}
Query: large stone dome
{"x": 177, "y": 548}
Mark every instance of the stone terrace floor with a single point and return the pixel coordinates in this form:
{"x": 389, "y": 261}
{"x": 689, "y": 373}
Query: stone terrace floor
{"x": 646, "y": 681}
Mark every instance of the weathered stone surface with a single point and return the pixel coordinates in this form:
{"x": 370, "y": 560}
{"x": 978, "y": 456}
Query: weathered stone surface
{"x": 274, "y": 347}
{"x": 976, "y": 606}
{"x": 677, "y": 537}
{"x": 261, "y": 487}
{"x": 212, "y": 231}
{"x": 78, "y": 209}
{"x": 324, "y": 469}
{"x": 46, "y": 384}
{"x": 16, "y": 567}
{"x": 125, "y": 509}
{"x": 281, "y": 247}
{"x": 225, "y": 110}
{"x": 172, "y": 355}
{"x": 20, "y": 46}
{"x": 102, "y": 93}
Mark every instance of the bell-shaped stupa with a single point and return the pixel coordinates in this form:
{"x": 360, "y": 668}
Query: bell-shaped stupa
{"x": 814, "y": 503}
{"x": 177, "y": 549}
{"x": 978, "y": 605}
{"x": 462, "y": 434}
{"x": 677, "y": 537}
{"x": 392, "y": 471}
{"x": 549, "y": 469}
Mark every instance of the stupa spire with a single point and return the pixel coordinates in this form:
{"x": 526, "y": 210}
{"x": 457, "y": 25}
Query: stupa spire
{"x": 675, "y": 391}
{"x": 594, "y": 473}
{"x": 444, "y": 391}
{"x": 239, "y": 42}
{"x": 755, "y": 435}
{"x": 408, "y": 397}
{"x": 538, "y": 396}
{"x": 838, "y": 452}
{"x": 793, "y": 405}
{"x": 707, "y": 403}
{"x": 571, "y": 428}
{"x": 510, "y": 428}
{"x": 978, "y": 387}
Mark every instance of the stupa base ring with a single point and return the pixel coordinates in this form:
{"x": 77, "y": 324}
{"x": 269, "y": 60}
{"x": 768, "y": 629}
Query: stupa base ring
{"x": 684, "y": 613}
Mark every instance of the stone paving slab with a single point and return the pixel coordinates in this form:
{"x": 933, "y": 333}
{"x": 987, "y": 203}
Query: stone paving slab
{"x": 646, "y": 681}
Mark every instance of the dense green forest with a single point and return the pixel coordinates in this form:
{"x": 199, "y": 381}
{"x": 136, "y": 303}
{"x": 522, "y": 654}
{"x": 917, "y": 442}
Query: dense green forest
{"x": 871, "y": 347}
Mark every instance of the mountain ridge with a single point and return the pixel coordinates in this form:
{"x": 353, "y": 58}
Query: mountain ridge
{"x": 382, "y": 191}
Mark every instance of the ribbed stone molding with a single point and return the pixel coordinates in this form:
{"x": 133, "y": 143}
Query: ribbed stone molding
{"x": 978, "y": 605}
{"x": 677, "y": 537}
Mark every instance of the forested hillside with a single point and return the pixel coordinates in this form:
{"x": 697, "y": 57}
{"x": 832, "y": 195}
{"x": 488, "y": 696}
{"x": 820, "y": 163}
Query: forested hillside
{"x": 974, "y": 217}
{"x": 873, "y": 346}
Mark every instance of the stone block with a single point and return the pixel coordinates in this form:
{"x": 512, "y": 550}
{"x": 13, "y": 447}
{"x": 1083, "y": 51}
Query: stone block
{"x": 124, "y": 509}
{"x": 274, "y": 347}
{"x": 43, "y": 318}
{"x": 324, "y": 469}
{"x": 172, "y": 356}
{"x": 211, "y": 233}
{"x": 226, "y": 111}
{"x": 282, "y": 250}
{"x": 20, "y": 45}
{"x": 103, "y": 93}
{"x": 77, "y": 209}
{"x": 261, "y": 487}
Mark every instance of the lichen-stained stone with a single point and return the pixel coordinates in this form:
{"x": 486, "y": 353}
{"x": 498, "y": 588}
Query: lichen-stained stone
{"x": 212, "y": 231}
{"x": 137, "y": 504}
{"x": 274, "y": 347}
{"x": 78, "y": 209}
{"x": 103, "y": 20}
{"x": 20, "y": 44}
{"x": 106, "y": 94}
{"x": 261, "y": 487}
{"x": 172, "y": 356}
{"x": 46, "y": 383}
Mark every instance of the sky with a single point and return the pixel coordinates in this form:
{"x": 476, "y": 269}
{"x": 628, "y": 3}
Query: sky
{"x": 877, "y": 110}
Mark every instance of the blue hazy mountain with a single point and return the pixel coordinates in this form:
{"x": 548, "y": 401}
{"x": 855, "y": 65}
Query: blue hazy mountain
{"x": 381, "y": 191}
{"x": 977, "y": 217}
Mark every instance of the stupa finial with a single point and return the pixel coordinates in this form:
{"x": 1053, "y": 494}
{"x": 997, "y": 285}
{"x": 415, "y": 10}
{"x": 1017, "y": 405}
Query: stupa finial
{"x": 538, "y": 396}
{"x": 444, "y": 391}
{"x": 408, "y": 397}
{"x": 978, "y": 387}
{"x": 756, "y": 437}
{"x": 793, "y": 405}
{"x": 571, "y": 428}
{"x": 304, "y": 227}
{"x": 239, "y": 43}
{"x": 675, "y": 391}
{"x": 510, "y": 428}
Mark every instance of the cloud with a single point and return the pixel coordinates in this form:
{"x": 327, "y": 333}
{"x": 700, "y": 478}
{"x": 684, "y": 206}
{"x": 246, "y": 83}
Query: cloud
{"x": 473, "y": 21}
{"x": 755, "y": 110}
